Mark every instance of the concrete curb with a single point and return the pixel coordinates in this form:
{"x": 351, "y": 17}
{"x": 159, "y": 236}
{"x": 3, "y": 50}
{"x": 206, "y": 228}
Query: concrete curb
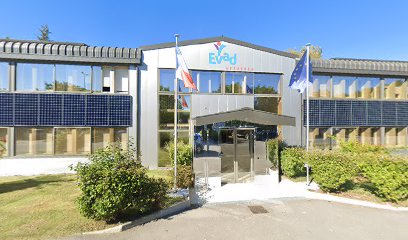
{"x": 174, "y": 209}
{"x": 351, "y": 201}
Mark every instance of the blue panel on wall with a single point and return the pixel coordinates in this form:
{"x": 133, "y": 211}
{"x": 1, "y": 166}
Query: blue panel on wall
{"x": 389, "y": 113}
{"x": 343, "y": 113}
{"x": 6, "y": 109}
{"x": 402, "y": 113}
{"x": 327, "y": 113}
{"x": 50, "y": 113}
{"x": 73, "y": 110}
{"x": 120, "y": 110}
{"x": 374, "y": 115}
{"x": 359, "y": 113}
{"x": 26, "y": 109}
{"x": 97, "y": 110}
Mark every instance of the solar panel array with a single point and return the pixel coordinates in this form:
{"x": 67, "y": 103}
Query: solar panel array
{"x": 326, "y": 113}
{"x": 24, "y": 109}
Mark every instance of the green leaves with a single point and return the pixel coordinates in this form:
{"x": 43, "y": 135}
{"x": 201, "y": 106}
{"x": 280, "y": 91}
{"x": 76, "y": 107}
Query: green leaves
{"x": 293, "y": 161}
{"x": 114, "y": 182}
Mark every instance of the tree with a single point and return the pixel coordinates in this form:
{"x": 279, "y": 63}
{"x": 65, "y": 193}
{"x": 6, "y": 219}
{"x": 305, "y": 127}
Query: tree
{"x": 44, "y": 33}
{"x": 316, "y": 52}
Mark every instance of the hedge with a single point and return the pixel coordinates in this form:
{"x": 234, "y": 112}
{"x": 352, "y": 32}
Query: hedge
{"x": 388, "y": 174}
{"x": 275, "y": 148}
{"x": 293, "y": 161}
{"x": 332, "y": 169}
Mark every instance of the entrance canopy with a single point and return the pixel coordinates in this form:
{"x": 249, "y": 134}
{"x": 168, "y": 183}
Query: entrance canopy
{"x": 246, "y": 115}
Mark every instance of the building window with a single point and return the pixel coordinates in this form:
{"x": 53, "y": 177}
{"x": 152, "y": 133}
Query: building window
{"x": 369, "y": 135}
{"x": 344, "y": 87}
{"x": 267, "y": 104}
{"x": 73, "y": 78}
{"x": 320, "y": 138}
{"x": 344, "y": 134}
{"x": 4, "y": 76}
{"x": 266, "y": 83}
{"x": 72, "y": 141}
{"x": 321, "y": 86}
{"x": 98, "y": 80}
{"x": 239, "y": 83}
{"x": 395, "y": 88}
{"x": 166, "y": 79}
{"x": 368, "y": 88}
{"x": 35, "y": 77}
{"x": 207, "y": 81}
{"x": 165, "y": 138}
{"x": 34, "y": 141}
{"x": 3, "y": 142}
{"x": 102, "y": 137}
{"x": 166, "y": 111}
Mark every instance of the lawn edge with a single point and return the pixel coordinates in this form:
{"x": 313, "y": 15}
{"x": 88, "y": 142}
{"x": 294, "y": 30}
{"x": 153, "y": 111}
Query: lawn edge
{"x": 166, "y": 212}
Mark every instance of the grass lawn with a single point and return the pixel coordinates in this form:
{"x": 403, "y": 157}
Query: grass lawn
{"x": 357, "y": 190}
{"x": 43, "y": 207}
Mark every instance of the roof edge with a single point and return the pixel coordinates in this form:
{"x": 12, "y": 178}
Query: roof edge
{"x": 216, "y": 39}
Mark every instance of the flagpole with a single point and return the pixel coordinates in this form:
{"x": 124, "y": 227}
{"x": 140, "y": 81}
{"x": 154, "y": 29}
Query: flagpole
{"x": 307, "y": 95}
{"x": 175, "y": 116}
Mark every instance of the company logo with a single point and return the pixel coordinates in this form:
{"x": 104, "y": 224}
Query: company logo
{"x": 219, "y": 56}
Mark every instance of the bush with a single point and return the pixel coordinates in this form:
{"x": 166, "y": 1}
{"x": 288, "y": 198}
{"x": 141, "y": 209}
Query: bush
{"x": 185, "y": 178}
{"x": 388, "y": 174}
{"x": 114, "y": 182}
{"x": 332, "y": 169}
{"x": 275, "y": 147}
{"x": 184, "y": 153}
{"x": 353, "y": 146}
{"x": 293, "y": 160}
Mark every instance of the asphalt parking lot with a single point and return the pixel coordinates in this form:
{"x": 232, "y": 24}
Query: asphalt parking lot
{"x": 284, "y": 219}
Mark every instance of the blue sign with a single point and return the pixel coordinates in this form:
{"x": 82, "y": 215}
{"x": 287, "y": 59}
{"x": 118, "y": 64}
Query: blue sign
{"x": 219, "y": 57}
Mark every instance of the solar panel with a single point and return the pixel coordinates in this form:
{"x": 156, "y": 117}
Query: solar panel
{"x": 6, "y": 109}
{"x": 26, "y": 109}
{"x": 50, "y": 110}
{"x": 343, "y": 113}
{"x": 402, "y": 111}
{"x": 73, "y": 110}
{"x": 374, "y": 113}
{"x": 97, "y": 113}
{"x": 389, "y": 113}
{"x": 359, "y": 113}
{"x": 120, "y": 110}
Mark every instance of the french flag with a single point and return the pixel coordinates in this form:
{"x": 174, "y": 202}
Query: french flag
{"x": 182, "y": 72}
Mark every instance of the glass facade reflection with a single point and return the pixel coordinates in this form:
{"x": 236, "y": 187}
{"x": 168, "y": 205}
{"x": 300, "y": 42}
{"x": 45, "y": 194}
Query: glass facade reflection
{"x": 4, "y": 76}
{"x": 102, "y": 137}
{"x": 73, "y": 78}
{"x": 33, "y": 141}
{"x": 72, "y": 141}
{"x": 3, "y": 142}
{"x": 35, "y": 77}
{"x": 239, "y": 83}
{"x": 266, "y": 83}
{"x": 207, "y": 81}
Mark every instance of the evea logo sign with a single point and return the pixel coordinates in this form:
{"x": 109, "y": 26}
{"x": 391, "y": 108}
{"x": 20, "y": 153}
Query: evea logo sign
{"x": 219, "y": 56}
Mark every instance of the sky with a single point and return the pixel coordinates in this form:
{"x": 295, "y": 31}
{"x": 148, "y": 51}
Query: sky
{"x": 353, "y": 29}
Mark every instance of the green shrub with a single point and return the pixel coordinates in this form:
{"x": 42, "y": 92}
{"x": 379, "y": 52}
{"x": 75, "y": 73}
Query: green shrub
{"x": 184, "y": 153}
{"x": 354, "y": 146}
{"x": 388, "y": 174}
{"x": 293, "y": 160}
{"x": 275, "y": 147}
{"x": 185, "y": 178}
{"x": 332, "y": 169}
{"x": 114, "y": 182}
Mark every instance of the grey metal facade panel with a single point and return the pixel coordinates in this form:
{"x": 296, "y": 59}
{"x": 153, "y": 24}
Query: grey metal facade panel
{"x": 216, "y": 39}
{"x": 361, "y": 67}
{"x": 66, "y": 52}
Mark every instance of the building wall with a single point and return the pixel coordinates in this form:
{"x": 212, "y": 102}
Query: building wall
{"x": 198, "y": 57}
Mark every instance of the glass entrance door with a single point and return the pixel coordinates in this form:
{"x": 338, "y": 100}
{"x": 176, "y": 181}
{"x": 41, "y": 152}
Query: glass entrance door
{"x": 244, "y": 154}
{"x": 227, "y": 154}
{"x": 237, "y": 151}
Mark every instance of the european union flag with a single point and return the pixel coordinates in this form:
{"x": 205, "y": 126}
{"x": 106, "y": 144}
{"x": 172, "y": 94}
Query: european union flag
{"x": 298, "y": 78}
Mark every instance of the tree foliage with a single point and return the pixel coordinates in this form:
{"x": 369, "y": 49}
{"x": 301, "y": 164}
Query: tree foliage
{"x": 316, "y": 52}
{"x": 44, "y": 33}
